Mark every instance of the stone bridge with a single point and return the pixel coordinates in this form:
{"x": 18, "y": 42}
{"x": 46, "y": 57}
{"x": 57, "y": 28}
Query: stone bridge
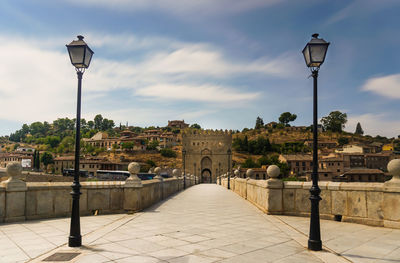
{"x": 204, "y": 223}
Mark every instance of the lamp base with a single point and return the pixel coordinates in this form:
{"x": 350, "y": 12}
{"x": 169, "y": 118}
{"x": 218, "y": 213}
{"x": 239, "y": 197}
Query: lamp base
{"x": 315, "y": 245}
{"x": 75, "y": 241}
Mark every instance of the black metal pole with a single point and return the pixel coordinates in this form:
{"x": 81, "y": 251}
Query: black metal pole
{"x": 75, "y": 238}
{"x": 314, "y": 241}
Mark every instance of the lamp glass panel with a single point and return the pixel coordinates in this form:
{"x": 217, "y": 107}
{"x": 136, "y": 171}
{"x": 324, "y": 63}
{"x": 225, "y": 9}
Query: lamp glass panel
{"x": 88, "y": 57}
{"x": 76, "y": 54}
{"x": 317, "y": 53}
{"x": 306, "y": 54}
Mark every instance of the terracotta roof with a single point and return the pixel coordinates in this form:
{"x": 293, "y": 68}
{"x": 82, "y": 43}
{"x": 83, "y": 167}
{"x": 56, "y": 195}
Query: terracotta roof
{"x": 331, "y": 159}
{"x": 364, "y": 171}
{"x": 297, "y": 157}
{"x": 386, "y": 154}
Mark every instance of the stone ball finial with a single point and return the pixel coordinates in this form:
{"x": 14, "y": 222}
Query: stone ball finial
{"x": 175, "y": 172}
{"x": 14, "y": 169}
{"x": 134, "y": 168}
{"x": 157, "y": 170}
{"x": 237, "y": 173}
{"x": 273, "y": 171}
{"x": 249, "y": 172}
{"x": 393, "y": 168}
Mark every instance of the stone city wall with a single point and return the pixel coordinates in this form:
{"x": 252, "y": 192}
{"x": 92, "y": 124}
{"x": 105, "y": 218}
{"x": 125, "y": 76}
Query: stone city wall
{"x": 24, "y": 201}
{"x": 376, "y": 204}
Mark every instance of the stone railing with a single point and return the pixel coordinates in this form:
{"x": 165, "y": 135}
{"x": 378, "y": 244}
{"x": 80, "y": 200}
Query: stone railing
{"x": 376, "y": 204}
{"x": 24, "y": 201}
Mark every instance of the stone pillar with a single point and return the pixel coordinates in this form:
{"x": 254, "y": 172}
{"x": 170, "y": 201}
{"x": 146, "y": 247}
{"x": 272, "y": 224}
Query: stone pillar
{"x": 132, "y": 189}
{"x": 249, "y": 173}
{"x": 175, "y": 173}
{"x": 391, "y": 196}
{"x": 157, "y": 171}
{"x": 15, "y": 193}
{"x": 274, "y": 202}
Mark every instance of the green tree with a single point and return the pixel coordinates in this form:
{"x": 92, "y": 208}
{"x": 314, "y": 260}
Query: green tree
{"x": 343, "y": 140}
{"x": 98, "y": 121}
{"x": 152, "y": 145}
{"x": 166, "y": 152}
{"x": 37, "y": 161}
{"x": 151, "y": 163}
{"x": 335, "y": 121}
{"x": 46, "y": 159}
{"x": 53, "y": 141}
{"x": 90, "y": 124}
{"x": 16, "y": 146}
{"x": 259, "y": 123}
{"x": 195, "y": 126}
{"x": 127, "y": 145}
{"x": 359, "y": 130}
{"x": 250, "y": 163}
{"x": 287, "y": 117}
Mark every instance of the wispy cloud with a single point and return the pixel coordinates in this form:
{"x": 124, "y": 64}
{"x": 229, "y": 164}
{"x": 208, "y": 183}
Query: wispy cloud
{"x": 387, "y": 86}
{"x": 39, "y": 83}
{"x": 203, "y": 93}
{"x": 360, "y": 7}
{"x": 182, "y": 8}
{"x": 375, "y": 124}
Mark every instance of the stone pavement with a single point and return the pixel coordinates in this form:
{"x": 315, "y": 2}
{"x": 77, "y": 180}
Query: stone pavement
{"x": 205, "y": 223}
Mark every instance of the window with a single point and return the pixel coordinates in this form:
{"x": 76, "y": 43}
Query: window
{"x": 297, "y": 163}
{"x": 304, "y": 163}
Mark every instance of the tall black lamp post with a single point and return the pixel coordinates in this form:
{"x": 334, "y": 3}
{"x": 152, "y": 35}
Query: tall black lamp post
{"x": 184, "y": 168}
{"x": 314, "y": 54}
{"x": 229, "y": 168}
{"x": 80, "y": 55}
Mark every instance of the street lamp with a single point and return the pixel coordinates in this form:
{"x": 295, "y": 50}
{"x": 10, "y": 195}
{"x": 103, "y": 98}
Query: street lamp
{"x": 314, "y": 54}
{"x": 80, "y": 55}
{"x": 184, "y": 168}
{"x": 229, "y": 168}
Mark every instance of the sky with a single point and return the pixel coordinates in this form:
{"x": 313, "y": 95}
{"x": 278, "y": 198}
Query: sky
{"x": 218, "y": 63}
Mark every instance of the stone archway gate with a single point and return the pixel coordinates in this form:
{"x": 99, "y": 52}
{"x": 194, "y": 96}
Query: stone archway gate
{"x": 207, "y": 150}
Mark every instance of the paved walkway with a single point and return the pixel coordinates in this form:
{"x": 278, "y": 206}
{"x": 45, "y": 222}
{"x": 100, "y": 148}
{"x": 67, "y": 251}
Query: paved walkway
{"x": 205, "y": 223}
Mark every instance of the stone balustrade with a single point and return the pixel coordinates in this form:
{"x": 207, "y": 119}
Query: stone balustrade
{"x": 23, "y": 201}
{"x": 376, "y": 204}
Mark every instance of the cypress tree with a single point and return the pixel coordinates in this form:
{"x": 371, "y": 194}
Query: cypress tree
{"x": 359, "y": 130}
{"x": 37, "y": 163}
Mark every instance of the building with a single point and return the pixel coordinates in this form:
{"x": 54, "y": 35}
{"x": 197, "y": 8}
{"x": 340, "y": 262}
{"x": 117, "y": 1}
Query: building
{"x": 26, "y": 160}
{"x": 164, "y": 139}
{"x": 178, "y": 124}
{"x": 388, "y": 147}
{"x": 207, "y": 153}
{"x": 354, "y": 160}
{"x": 25, "y": 150}
{"x": 376, "y": 147}
{"x": 361, "y": 175}
{"x": 298, "y": 164}
{"x": 377, "y": 161}
{"x": 334, "y": 165}
{"x": 90, "y": 164}
{"x": 102, "y": 140}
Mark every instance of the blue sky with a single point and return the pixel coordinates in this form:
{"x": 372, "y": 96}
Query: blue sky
{"x": 219, "y": 63}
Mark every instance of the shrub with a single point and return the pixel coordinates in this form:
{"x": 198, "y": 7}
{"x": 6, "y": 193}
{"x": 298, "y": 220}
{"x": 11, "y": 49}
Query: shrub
{"x": 168, "y": 153}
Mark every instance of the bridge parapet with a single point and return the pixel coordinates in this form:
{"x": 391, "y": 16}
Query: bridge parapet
{"x": 24, "y": 201}
{"x": 376, "y": 204}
